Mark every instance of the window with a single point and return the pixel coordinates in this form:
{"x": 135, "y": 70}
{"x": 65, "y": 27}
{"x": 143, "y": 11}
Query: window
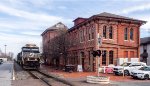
{"x": 111, "y": 56}
{"x": 110, "y": 32}
{"x": 104, "y": 32}
{"x": 104, "y": 57}
{"x": 81, "y": 36}
{"x": 131, "y": 34}
{"x": 89, "y": 57}
{"x": 82, "y": 54}
{"x": 136, "y": 64}
{"x": 89, "y": 34}
{"x": 144, "y": 47}
{"x": 92, "y": 35}
{"x": 126, "y": 34}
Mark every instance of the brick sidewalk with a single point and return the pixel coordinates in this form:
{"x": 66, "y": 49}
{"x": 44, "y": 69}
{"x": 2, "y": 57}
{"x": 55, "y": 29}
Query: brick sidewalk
{"x": 75, "y": 75}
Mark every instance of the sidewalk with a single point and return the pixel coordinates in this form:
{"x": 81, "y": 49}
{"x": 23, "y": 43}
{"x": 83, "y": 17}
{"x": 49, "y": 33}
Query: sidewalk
{"x": 6, "y": 73}
{"x": 82, "y": 75}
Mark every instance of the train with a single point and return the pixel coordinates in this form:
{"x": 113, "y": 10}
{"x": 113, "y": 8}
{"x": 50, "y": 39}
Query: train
{"x": 29, "y": 57}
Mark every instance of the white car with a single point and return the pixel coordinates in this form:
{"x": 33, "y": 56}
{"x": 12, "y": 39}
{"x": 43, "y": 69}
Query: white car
{"x": 142, "y": 73}
{"x": 127, "y": 67}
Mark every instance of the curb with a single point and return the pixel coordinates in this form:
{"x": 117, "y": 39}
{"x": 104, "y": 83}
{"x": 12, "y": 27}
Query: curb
{"x": 13, "y": 74}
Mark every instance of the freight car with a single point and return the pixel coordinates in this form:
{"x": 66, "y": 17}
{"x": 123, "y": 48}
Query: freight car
{"x": 29, "y": 57}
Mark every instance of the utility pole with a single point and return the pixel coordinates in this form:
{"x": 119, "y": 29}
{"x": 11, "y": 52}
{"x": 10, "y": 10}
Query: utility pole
{"x": 5, "y": 51}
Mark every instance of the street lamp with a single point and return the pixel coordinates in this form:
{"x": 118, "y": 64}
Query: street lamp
{"x": 5, "y": 49}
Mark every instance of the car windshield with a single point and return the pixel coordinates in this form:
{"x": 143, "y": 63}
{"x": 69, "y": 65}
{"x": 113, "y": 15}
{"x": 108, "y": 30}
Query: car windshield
{"x": 145, "y": 68}
{"x": 125, "y": 64}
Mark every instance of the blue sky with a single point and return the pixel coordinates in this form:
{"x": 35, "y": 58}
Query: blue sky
{"x": 22, "y": 21}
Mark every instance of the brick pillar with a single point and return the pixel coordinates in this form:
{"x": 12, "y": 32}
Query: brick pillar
{"x": 138, "y": 50}
{"x": 96, "y": 47}
{"x": 107, "y": 58}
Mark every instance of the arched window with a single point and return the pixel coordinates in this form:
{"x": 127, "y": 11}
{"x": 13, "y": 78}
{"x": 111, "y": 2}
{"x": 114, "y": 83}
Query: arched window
{"x": 111, "y": 56}
{"x": 110, "y": 32}
{"x": 126, "y": 34}
{"x": 131, "y": 34}
{"x": 89, "y": 35}
{"x": 104, "y": 32}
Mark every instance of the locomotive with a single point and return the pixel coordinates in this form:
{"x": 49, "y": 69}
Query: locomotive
{"x": 29, "y": 57}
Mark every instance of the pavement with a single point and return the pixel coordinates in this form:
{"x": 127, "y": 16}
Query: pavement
{"x": 22, "y": 78}
{"x": 6, "y": 70}
{"x": 79, "y": 78}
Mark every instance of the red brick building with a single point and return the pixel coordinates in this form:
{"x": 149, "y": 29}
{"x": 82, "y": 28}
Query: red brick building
{"x": 120, "y": 40}
{"x": 47, "y": 36}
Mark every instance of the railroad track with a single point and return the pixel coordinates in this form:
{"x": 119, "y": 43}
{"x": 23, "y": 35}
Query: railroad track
{"x": 48, "y": 80}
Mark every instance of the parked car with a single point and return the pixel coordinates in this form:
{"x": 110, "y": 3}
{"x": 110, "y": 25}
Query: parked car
{"x": 142, "y": 73}
{"x": 1, "y": 61}
{"x": 127, "y": 67}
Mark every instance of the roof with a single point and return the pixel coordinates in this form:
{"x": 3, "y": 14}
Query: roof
{"x": 111, "y": 16}
{"x": 105, "y": 14}
{"x": 79, "y": 18}
{"x": 145, "y": 40}
{"x": 57, "y": 26}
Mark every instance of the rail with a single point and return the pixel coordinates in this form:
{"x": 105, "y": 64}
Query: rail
{"x": 47, "y": 79}
{"x": 37, "y": 77}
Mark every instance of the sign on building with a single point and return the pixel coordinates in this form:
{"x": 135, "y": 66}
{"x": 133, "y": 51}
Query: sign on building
{"x": 79, "y": 68}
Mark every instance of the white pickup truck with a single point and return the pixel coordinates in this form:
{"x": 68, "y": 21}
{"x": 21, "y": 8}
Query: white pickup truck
{"x": 127, "y": 67}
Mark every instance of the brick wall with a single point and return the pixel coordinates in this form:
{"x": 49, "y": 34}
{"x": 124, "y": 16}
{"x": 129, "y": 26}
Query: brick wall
{"x": 83, "y": 40}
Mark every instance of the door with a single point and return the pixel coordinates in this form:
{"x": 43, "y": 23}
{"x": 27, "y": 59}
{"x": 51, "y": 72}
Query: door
{"x": 83, "y": 63}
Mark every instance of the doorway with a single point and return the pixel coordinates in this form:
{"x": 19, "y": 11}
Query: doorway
{"x": 83, "y": 63}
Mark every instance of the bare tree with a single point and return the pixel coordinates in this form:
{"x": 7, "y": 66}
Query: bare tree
{"x": 10, "y": 56}
{"x": 2, "y": 55}
{"x": 58, "y": 47}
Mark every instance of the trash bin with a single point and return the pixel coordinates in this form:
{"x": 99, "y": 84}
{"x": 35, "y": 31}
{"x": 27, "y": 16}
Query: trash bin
{"x": 69, "y": 68}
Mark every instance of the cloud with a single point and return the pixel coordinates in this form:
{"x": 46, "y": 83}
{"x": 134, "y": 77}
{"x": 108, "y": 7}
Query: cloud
{"x": 62, "y": 7}
{"x": 15, "y": 42}
{"x": 39, "y": 2}
{"x": 28, "y": 15}
{"x": 20, "y": 26}
{"x": 31, "y": 33}
{"x": 136, "y": 8}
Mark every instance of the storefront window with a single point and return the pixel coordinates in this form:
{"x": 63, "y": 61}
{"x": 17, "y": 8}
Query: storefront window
{"x": 111, "y": 56}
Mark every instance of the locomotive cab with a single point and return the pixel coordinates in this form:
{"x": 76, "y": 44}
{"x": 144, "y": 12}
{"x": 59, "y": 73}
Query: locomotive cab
{"x": 30, "y": 57}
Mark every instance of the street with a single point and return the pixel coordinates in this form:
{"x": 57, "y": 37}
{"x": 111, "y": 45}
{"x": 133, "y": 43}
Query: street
{"x": 6, "y": 78}
{"x": 75, "y": 43}
{"x": 6, "y": 73}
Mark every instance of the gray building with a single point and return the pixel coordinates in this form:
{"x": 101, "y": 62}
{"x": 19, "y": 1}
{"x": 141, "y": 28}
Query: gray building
{"x": 145, "y": 50}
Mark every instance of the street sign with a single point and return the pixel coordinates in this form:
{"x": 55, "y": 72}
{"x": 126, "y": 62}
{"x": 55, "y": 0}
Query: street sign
{"x": 99, "y": 37}
{"x": 99, "y": 41}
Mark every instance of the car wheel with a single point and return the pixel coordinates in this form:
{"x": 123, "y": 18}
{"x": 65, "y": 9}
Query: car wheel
{"x": 126, "y": 73}
{"x": 146, "y": 77}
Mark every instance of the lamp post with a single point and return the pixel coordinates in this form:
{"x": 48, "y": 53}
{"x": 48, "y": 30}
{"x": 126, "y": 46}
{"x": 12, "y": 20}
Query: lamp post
{"x": 5, "y": 50}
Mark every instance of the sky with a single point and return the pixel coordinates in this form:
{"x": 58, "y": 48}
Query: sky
{"x": 23, "y": 21}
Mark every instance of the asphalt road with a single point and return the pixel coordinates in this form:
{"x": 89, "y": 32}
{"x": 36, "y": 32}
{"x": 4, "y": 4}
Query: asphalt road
{"x": 132, "y": 83}
{"x": 6, "y": 73}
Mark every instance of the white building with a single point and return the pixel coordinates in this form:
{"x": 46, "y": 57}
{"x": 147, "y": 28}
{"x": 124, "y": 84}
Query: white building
{"x": 145, "y": 45}
{"x": 4, "y": 59}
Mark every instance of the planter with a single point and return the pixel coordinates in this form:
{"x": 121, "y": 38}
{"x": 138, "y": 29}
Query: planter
{"x": 96, "y": 79}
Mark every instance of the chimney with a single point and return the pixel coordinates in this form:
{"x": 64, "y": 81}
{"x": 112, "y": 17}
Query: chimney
{"x": 79, "y": 20}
